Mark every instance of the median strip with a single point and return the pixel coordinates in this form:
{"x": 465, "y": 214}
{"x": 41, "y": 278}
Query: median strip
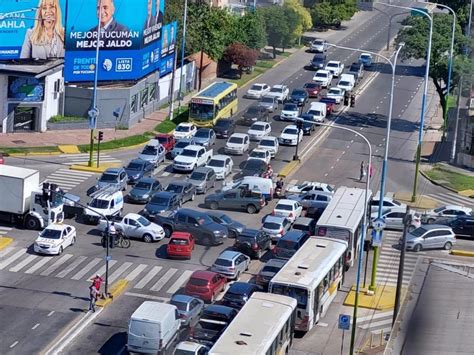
{"x": 94, "y": 169}
{"x": 5, "y": 241}
{"x": 288, "y": 168}
{"x": 462, "y": 253}
{"x": 114, "y": 291}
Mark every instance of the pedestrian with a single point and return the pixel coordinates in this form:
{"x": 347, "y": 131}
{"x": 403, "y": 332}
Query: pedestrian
{"x": 371, "y": 170}
{"x": 92, "y": 297}
{"x": 362, "y": 171}
{"x": 97, "y": 282}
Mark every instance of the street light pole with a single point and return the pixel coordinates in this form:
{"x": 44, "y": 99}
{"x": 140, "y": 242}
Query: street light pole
{"x": 183, "y": 45}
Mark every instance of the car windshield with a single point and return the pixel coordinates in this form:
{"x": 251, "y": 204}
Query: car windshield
{"x": 278, "y": 90}
{"x": 267, "y": 99}
{"x": 223, "y": 262}
{"x": 419, "y": 232}
{"x": 298, "y": 92}
{"x": 257, "y": 127}
{"x": 311, "y": 85}
{"x": 315, "y": 112}
{"x": 182, "y": 144}
{"x": 258, "y": 154}
{"x": 246, "y": 239}
{"x": 290, "y": 107}
{"x": 196, "y": 175}
{"x": 201, "y": 111}
{"x": 109, "y": 177}
{"x": 286, "y": 244}
{"x": 182, "y": 306}
{"x": 143, "y": 185}
{"x": 396, "y": 203}
{"x": 181, "y": 128}
{"x": 318, "y": 42}
{"x": 97, "y": 203}
{"x": 321, "y": 75}
{"x": 301, "y": 227}
{"x": 189, "y": 153}
{"x": 267, "y": 143}
{"x": 175, "y": 188}
{"x": 334, "y": 91}
{"x": 149, "y": 150}
{"x": 51, "y": 233}
{"x": 252, "y": 111}
{"x": 271, "y": 225}
{"x": 143, "y": 221}
{"x": 439, "y": 209}
{"x": 226, "y": 219}
{"x": 256, "y": 87}
{"x": 301, "y": 295}
{"x": 216, "y": 163}
{"x": 253, "y": 164}
{"x": 178, "y": 241}
{"x": 222, "y": 123}
{"x": 202, "y": 134}
{"x": 135, "y": 166}
{"x": 159, "y": 201}
{"x": 292, "y": 131}
{"x": 236, "y": 140}
{"x": 332, "y": 65}
{"x": 344, "y": 83}
{"x": 272, "y": 269}
{"x": 162, "y": 140}
{"x": 365, "y": 56}
{"x": 284, "y": 207}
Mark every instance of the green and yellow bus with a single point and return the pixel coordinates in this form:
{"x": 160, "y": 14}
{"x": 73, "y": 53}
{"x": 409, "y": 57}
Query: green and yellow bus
{"x": 218, "y": 100}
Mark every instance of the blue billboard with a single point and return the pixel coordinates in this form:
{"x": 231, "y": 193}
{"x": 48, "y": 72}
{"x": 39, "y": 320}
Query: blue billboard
{"x": 129, "y": 39}
{"x": 32, "y": 29}
{"x": 168, "y": 48}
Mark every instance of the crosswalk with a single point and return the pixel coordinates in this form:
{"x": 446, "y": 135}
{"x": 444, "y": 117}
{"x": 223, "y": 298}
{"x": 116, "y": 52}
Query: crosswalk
{"x": 84, "y": 158}
{"x": 67, "y": 179}
{"x": 152, "y": 279}
{"x": 4, "y": 230}
{"x": 450, "y": 198}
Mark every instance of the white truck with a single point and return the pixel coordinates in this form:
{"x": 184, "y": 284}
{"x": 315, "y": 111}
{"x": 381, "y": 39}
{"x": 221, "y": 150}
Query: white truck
{"x": 280, "y": 92}
{"x": 136, "y": 226}
{"x": 318, "y": 111}
{"x": 22, "y": 201}
{"x": 191, "y": 157}
{"x": 107, "y": 202}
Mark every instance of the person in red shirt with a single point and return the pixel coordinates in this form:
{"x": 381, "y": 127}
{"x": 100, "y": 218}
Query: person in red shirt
{"x": 97, "y": 282}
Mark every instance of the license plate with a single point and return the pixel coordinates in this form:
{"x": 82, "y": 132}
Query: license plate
{"x": 178, "y": 249}
{"x": 287, "y": 140}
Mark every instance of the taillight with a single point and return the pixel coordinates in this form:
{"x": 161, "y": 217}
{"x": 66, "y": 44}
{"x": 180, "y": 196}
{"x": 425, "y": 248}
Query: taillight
{"x": 280, "y": 231}
{"x": 275, "y": 250}
{"x": 254, "y": 246}
{"x": 291, "y": 214}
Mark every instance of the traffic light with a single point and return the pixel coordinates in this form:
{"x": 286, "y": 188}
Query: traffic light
{"x": 101, "y": 136}
{"x": 353, "y": 100}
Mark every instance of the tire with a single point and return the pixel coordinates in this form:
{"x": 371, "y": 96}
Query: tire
{"x": 60, "y": 250}
{"x": 251, "y": 209}
{"x": 206, "y": 241}
{"x": 214, "y": 205}
{"x": 447, "y": 246}
{"x": 417, "y": 248}
{"x": 232, "y": 234}
{"x": 125, "y": 243}
{"x": 168, "y": 231}
{"x": 73, "y": 241}
{"x": 430, "y": 220}
{"x": 193, "y": 197}
{"x": 32, "y": 223}
{"x": 147, "y": 238}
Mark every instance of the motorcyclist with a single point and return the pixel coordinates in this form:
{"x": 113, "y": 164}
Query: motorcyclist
{"x": 279, "y": 184}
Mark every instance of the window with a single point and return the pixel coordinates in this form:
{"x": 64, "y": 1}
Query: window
{"x": 181, "y": 218}
{"x": 230, "y": 195}
{"x": 133, "y": 103}
{"x": 144, "y": 97}
{"x": 151, "y": 92}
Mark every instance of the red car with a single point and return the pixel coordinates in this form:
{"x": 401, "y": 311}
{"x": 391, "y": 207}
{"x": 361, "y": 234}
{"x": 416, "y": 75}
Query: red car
{"x": 205, "y": 285}
{"x": 2, "y": 161}
{"x": 313, "y": 89}
{"x": 166, "y": 140}
{"x": 181, "y": 245}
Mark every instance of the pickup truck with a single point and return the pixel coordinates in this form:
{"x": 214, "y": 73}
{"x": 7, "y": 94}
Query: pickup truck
{"x": 135, "y": 226}
{"x": 280, "y": 92}
{"x": 191, "y": 157}
{"x": 239, "y": 199}
{"x": 336, "y": 93}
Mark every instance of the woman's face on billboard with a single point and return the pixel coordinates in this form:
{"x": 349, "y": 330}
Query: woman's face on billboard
{"x": 48, "y": 12}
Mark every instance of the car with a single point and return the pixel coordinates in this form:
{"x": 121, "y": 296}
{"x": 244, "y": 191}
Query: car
{"x": 289, "y": 112}
{"x": 160, "y": 202}
{"x": 290, "y": 135}
{"x": 318, "y": 45}
{"x": 189, "y": 308}
{"x": 184, "y": 189}
{"x": 309, "y": 124}
{"x": 203, "y": 179}
{"x": 184, "y": 130}
{"x": 256, "y": 91}
{"x": 275, "y": 226}
{"x": 153, "y": 152}
{"x": 234, "y": 227}
{"x": 388, "y": 202}
{"x": 394, "y": 217}
{"x": 222, "y": 166}
{"x": 213, "y": 322}
{"x": 205, "y": 285}
{"x": 288, "y": 208}
{"x": 240, "y": 199}
{"x": 137, "y": 169}
{"x": 323, "y": 78}
{"x": 238, "y": 294}
{"x": 205, "y": 137}
{"x": 180, "y": 245}
{"x": 269, "y": 143}
{"x": 192, "y": 157}
{"x": 299, "y": 97}
{"x": 432, "y": 236}
{"x": 54, "y": 239}
{"x": 166, "y": 140}
{"x": 289, "y": 244}
{"x": 317, "y": 111}
{"x": 238, "y": 143}
{"x": 135, "y": 226}
{"x": 347, "y": 82}
{"x": 270, "y": 103}
{"x": 253, "y": 243}
{"x": 224, "y": 127}
{"x": 307, "y": 186}
{"x": 180, "y": 145}
{"x": 336, "y": 93}
{"x": 253, "y": 114}
{"x": 430, "y": 216}
{"x": 231, "y": 264}
{"x": 269, "y": 269}
{"x": 258, "y": 130}
{"x": 281, "y": 92}
{"x": 254, "y": 167}
{"x": 313, "y": 89}
{"x": 143, "y": 190}
{"x": 356, "y": 69}
{"x": 309, "y": 199}
{"x": 262, "y": 154}
{"x": 2, "y": 159}
{"x": 365, "y": 59}
{"x": 335, "y": 67}
{"x": 116, "y": 177}
{"x": 190, "y": 348}
{"x": 463, "y": 226}
{"x": 318, "y": 61}
{"x": 305, "y": 224}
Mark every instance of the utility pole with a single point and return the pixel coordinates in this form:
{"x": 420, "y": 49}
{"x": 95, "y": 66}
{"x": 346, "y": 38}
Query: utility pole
{"x": 183, "y": 47}
{"x": 299, "y": 124}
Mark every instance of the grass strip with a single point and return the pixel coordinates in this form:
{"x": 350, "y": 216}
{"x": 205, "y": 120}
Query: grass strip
{"x": 452, "y": 179}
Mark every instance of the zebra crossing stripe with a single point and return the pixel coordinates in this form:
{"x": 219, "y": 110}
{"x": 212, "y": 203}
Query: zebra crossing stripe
{"x": 39, "y": 264}
{"x": 101, "y": 271}
{"x": 86, "y": 269}
{"x": 12, "y": 258}
{"x": 119, "y": 271}
{"x": 450, "y": 199}
{"x": 373, "y": 316}
{"x": 71, "y": 267}
{"x": 136, "y": 272}
{"x": 151, "y": 274}
{"x": 6, "y": 251}
{"x": 383, "y": 330}
{"x": 377, "y": 324}
{"x": 164, "y": 279}
{"x": 57, "y": 264}
{"x": 180, "y": 281}
{"x": 23, "y": 263}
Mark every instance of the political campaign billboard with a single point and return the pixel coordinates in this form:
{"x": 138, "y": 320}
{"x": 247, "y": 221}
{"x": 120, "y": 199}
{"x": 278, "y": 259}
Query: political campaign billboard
{"x": 168, "y": 48}
{"x": 32, "y": 29}
{"x": 129, "y": 36}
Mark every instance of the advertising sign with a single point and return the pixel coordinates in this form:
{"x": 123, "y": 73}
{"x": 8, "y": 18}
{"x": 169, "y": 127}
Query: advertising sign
{"x": 25, "y": 89}
{"x": 168, "y": 44}
{"x": 129, "y": 37}
{"x": 32, "y": 29}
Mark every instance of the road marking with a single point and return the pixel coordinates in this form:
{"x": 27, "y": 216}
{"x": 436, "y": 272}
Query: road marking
{"x": 12, "y": 258}
{"x": 180, "y": 281}
{"x": 101, "y": 271}
{"x": 6, "y": 251}
{"x": 39, "y": 264}
{"x": 165, "y": 173}
{"x": 119, "y": 271}
{"x": 86, "y": 269}
{"x": 164, "y": 279}
{"x": 57, "y": 264}
{"x": 376, "y": 324}
{"x": 151, "y": 274}
{"x": 135, "y": 272}
{"x": 151, "y": 297}
{"x": 14, "y": 344}
{"x": 35, "y": 326}
{"x": 374, "y": 316}
{"x": 25, "y": 262}
{"x": 50, "y": 313}
{"x": 71, "y": 267}
{"x": 294, "y": 182}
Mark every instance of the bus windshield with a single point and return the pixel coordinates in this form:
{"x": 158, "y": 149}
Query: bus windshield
{"x": 300, "y": 294}
{"x": 201, "y": 111}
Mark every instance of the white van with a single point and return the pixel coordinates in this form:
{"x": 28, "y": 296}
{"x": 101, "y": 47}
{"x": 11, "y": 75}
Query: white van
{"x": 346, "y": 82}
{"x": 318, "y": 111}
{"x": 105, "y": 202}
{"x": 153, "y": 327}
{"x": 253, "y": 183}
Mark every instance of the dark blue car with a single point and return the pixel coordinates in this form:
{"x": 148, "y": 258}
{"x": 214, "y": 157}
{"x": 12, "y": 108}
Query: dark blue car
{"x": 308, "y": 127}
{"x": 299, "y": 97}
{"x": 137, "y": 169}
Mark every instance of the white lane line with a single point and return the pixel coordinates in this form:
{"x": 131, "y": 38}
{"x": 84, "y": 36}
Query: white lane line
{"x": 12, "y": 258}
{"x": 51, "y": 313}
{"x": 14, "y": 344}
{"x": 151, "y": 274}
{"x": 86, "y": 269}
{"x": 164, "y": 279}
{"x": 180, "y": 281}
{"x": 166, "y": 173}
{"x": 25, "y": 262}
{"x": 39, "y": 264}
{"x": 57, "y": 264}
{"x": 35, "y": 326}
{"x": 5, "y": 251}
{"x": 101, "y": 271}
{"x": 119, "y": 271}
{"x": 135, "y": 272}
{"x": 377, "y": 324}
{"x": 374, "y": 316}
{"x": 151, "y": 297}
{"x": 293, "y": 182}
{"x": 71, "y": 267}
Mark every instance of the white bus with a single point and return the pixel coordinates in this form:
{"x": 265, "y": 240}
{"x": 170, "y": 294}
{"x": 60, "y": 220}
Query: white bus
{"x": 264, "y": 326}
{"x": 312, "y": 276}
{"x": 342, "y": 219}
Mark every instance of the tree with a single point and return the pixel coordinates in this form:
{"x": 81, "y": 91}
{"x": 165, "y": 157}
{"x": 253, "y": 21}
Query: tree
{"x": 332, "y": 12}
{"x": 251, "y": 26}
{"x": 276, "y": 26}
{"x": 304, "y": 16}
{"x": 241, "y": 55}
{"x": 461, "y": 8}
{"x": 293, "y": 22}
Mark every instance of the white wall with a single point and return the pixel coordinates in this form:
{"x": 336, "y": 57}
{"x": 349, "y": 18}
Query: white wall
{"x": 3, "y": 103}
{"x": 51, "y": 102}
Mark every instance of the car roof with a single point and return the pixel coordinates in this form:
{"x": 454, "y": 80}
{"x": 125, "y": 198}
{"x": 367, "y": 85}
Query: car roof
{"x": 260, "y": 84}
{"x": 179, "y": 183}
{"x": 334, "y": 61}
{"x": 190, "y": 212}
{"x": 138, "y": 161}
{"x": 113, "y": 170}
{"x": 57, "y": 226}
{"x": 292, "y": 126}
{"x": 165, "y": 194}
{"x": 242, "y": 287}
{"x": 220, "y": 157}
{"x": 270, "y": 138}
{"x": 217, "y": 308}
{"x": 430, "y": 227}
{"x": 203, "y": 274}
{"x": 180, "y": 235}
{"x": 229, "y": 254}
{"x": 293, "y": 235}
{"x": 278, "y": 86}
{"x": 202, "y": 169}
{"x": 249, "y": 232}
{"x": 189, "y": 346}
{"x": 274, "y": 219}
{"x": 303, "y": 221}
{"x": 188, "y": 124}
{"x": 182, "y": 298}
{"x": 456, "y": 207}
{"x": 239, "y": 135}
{"x": 259, "y": 150}
{"x": 275, "y": 262}
{"x": 148, "y": 179}
{"x": 259, "y": 123}
{"x": 285, "y": 202}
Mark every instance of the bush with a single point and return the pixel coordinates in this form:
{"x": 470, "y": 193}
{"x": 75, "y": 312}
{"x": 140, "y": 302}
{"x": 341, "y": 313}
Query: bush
{"x": 64, "y": 119}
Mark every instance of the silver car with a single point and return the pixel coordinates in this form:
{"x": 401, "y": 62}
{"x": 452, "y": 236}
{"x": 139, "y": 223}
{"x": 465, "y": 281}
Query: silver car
{"x": 205, "y": 137}
{"x": 153, "y": 152}
{"x": 275, "y": 226}
{"x": 432, "y": 236}
{"x": 203, "y": 178}
{"x": 189, "y": 308}
{"x": 316, "y": 199}
{"x": 269, "y": 102}
{"x": 231, "y": 264}
{"x": 180, "y": 145}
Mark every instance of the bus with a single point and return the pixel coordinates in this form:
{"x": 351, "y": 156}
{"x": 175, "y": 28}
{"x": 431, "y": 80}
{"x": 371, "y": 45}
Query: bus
{"x": 342, "y": 219}
{"x": 312, "y": 276}
{"x": 218, "y": 100}
{"x": 264, "y": 326}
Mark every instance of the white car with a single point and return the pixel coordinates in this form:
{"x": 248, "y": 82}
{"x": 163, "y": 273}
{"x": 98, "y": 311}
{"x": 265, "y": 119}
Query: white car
{"x": 54, "y": 239}
{"x": 388, "y": 202}
{"x": 261, "y": 154}
{"x": 323, "y": 77}
{"x": 394, "y": 217}
{"x": 335, "y": 67}
{"x": 238, "y": 143}
{"x": 289, "y": 112}
{"x": 184, "y": 130}
{"x": 256, "y": 91}
{"x": 269, "y": 143}
{"x": 281, "y": 92}
{"x": 222, "y": 165}
{"x": 318, "y": 46}
{"x": 308, "y": 186}
{"x": 449, "y": 211}
{"x": 290, "y": 136}
{"x": 288, "y": 208}
{"x": 258, "y": 130}
{"x": 336, "y": 93}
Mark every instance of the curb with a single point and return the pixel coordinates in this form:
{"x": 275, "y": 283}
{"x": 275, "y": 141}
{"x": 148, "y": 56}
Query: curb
{"x": 288, "y": 168}
{"x": 462, "y": 253}
{"x": 92, "y": 169}
{"x": 33, "y": 153}
{"x": 5, "y": 241}
{"x": 434, "y": 182}
{"x": 115, "y": 290}
{"x": 69, "y": 149}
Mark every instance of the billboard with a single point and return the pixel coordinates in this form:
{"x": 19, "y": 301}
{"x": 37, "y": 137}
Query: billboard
{"x": 167, "y": 51}
{"x": 32, "y": 29}
{"x": 129, "y": 38}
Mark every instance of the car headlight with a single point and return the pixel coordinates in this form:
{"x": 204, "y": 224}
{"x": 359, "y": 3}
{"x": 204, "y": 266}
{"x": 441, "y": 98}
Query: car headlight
{"x": 146, "y": 196}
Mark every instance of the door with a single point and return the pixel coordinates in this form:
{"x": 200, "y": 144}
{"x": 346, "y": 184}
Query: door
{"x": 394, "y": 220}
{"x": 24, "y": 119}
{"x": 193, "y": 227}
{"x": 229, "y": 200}
{"x": 133, "y": 229}
{"x": 68, "y": 235}
{"x": 429, "y": 240}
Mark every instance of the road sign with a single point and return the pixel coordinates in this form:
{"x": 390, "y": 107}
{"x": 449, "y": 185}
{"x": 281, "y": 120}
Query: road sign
{"x": 344, "y": 322}
{"x": 93, "y": 113}
{"x": 108, "y": 257}
{"x": 379, "y": 224}
{"x": 376, "y": 238}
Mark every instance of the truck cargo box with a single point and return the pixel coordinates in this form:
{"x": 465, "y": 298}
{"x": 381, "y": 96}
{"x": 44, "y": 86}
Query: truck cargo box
{"x": 16, "y": 186}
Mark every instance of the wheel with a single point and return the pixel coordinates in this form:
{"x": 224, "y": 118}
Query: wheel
{"x": 448, "y": 246}
{"x": 32, "y": 223}
{"x": 417, "y": 248}
{"x": 73, "y": 241}
{"x": 147, "y": 238}
{"x": 206, "y": 241}
{"x": 411, "y": 228}
{"x": 214, "y": 205}
{"x": 60, "y": 250}
{"x": 251, "y": 209}
{"x": 125, "y": 243}
{"x": 193, "y": 197}
{"x": 431, "y": 220}
{"x": 168, "y": 231}
{"x": 232, "y": 234}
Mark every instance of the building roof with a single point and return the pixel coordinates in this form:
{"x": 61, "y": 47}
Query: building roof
{"x": 38, "y": 69}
